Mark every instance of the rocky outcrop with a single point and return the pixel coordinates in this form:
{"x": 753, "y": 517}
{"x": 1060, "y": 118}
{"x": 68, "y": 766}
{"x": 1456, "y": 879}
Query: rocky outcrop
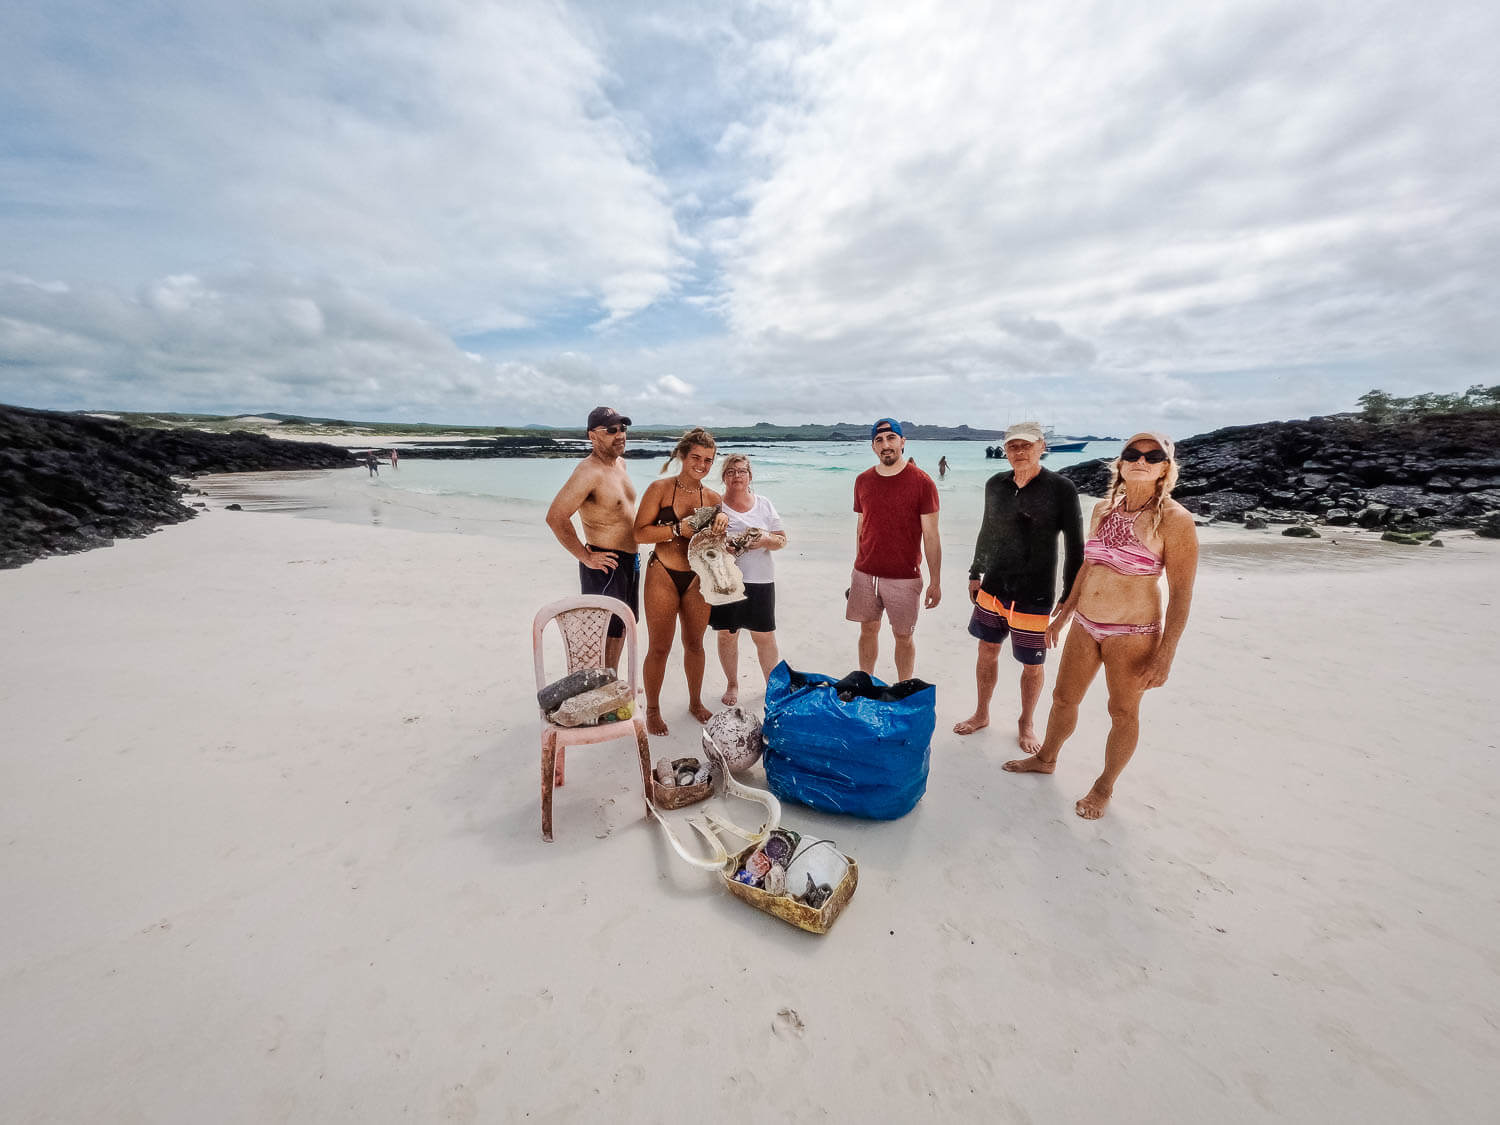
{"x": 70, "y": 482}
{"x": 1441, "y": 471}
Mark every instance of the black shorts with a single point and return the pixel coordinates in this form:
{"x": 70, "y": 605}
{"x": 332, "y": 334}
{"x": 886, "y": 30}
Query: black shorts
{"x": 622, "y": 583}
{"x": 756, "y": 613}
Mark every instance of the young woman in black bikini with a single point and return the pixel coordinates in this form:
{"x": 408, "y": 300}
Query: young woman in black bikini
{"x": 670, "y": 589}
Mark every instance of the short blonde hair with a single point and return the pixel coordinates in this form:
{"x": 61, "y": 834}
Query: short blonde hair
{"x": 733, "y": 459}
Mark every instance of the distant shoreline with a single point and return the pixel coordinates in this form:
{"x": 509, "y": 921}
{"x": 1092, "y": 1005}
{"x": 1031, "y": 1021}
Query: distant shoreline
{"x": 339, "y": 431}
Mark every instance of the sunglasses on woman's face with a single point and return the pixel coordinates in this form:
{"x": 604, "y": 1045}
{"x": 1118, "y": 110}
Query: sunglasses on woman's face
{"x": 613, "y": 430}
{"x": 1154, "y": 457}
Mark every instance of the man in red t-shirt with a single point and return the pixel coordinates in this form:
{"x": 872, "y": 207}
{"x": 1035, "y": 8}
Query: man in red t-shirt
{"x": 898, "y": 522}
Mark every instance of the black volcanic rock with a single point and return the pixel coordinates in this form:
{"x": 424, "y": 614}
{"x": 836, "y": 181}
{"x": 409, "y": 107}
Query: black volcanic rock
{"x": 1442, "y": 470}
{"x": 69, "y": 482}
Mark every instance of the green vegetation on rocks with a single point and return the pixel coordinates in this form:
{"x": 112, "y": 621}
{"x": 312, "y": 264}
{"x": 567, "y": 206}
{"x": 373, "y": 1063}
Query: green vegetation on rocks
{"x": 1377, "y": 406}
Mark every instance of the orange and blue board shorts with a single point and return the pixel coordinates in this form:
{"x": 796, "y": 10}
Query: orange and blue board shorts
{"x": 995, "y": 618}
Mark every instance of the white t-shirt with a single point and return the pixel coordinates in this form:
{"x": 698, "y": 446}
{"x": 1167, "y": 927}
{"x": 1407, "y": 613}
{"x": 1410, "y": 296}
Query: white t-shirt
{"x": 755, "y": 565}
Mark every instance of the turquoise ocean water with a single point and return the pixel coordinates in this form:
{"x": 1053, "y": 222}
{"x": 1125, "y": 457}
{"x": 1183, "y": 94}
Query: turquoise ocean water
{"x": 803, "y": 479}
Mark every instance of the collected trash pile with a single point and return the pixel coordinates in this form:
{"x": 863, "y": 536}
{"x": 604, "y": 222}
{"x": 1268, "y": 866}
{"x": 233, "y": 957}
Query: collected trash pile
{"x": 853, "y": 746}
{"x": 680, "y": 771}
{"x": 783, "y": 866}
{"x": 586, "y": 697}
{"x": 800, "y": 879}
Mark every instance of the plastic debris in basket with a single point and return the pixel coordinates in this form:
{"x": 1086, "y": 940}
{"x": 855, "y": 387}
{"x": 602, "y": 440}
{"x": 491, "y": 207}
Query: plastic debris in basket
{"x": 822, "y": 878}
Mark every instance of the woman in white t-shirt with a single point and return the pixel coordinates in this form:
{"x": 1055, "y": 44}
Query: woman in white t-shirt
{"x": 757, "y": 613}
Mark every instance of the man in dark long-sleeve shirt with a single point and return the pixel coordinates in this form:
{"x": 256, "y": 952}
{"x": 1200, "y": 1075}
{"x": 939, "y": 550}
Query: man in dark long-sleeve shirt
{"x": 1013, "y": 578}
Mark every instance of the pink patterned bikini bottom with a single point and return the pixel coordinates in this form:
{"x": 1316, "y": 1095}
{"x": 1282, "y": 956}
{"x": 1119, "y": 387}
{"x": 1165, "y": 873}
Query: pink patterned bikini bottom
{"x": 1099, "y": 631}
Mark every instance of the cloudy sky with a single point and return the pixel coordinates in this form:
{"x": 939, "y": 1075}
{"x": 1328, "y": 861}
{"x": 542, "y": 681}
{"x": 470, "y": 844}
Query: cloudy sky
{"x": 1109, "y": 216}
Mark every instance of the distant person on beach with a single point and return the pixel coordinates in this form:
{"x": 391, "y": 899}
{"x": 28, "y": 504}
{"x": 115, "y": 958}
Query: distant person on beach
{"x": 943, "y": 467}
{"x": 1136, "y": 533}
{"x": 372, "y": 464}
{"x": 747, "y": 511}
{"x": 671, "y": 584}
{"x": 599, "y": 492}
{"x": 898, "y": 523}
{"x": 1012, "y": 580}
{"x": 393, "y": 457}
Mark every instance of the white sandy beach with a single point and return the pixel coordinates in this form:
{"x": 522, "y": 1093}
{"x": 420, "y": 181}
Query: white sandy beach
{"x": 270, "y": 851}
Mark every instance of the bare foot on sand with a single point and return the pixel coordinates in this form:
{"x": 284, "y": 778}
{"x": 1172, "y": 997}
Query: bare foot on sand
{"x": 1026, "y": 738}
{"x": 1091, "y": 805}
{"x": 700, "y": 712}
{"x": 654, "y": 723}
{"x": 1033, "y": 764}
{"x": 976, "y": 721}
{"x": 731, "y": 695}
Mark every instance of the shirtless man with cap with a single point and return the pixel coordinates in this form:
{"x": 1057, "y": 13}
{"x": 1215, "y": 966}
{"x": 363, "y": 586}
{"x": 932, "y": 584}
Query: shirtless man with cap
{"x": 599, "y": 492}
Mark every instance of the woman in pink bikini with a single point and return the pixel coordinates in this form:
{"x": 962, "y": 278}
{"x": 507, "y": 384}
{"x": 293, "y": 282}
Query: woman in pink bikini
{"x": 1137, "y": 533}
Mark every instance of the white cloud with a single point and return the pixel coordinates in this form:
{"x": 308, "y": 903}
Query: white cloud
{"x": 1010, "y": 193}
{"x": 954, "y": 211}
{"x": 256, "y": 342}
{"x": 460, "y": 159}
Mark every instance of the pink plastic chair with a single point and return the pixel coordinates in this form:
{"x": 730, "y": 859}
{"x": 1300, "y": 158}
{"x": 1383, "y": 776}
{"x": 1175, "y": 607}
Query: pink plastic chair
{"x": 583, "y": 622}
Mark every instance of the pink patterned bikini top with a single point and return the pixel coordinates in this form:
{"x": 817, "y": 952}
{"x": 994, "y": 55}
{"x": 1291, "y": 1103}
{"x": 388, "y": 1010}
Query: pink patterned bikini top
{"x": 1115, "y": 545}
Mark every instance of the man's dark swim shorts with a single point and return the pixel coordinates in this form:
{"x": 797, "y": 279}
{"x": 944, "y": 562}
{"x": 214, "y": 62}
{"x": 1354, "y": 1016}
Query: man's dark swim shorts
{"x": 995, "y": 618}
{"x": 622, "y": 583}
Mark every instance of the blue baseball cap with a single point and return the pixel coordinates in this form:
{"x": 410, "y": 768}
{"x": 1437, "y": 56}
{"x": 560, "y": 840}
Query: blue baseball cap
{"x": 885, "y": 424}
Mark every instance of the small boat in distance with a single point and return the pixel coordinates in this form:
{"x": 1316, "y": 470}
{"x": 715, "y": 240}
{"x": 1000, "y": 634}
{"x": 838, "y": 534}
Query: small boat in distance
{"x": 1056, "y": 444}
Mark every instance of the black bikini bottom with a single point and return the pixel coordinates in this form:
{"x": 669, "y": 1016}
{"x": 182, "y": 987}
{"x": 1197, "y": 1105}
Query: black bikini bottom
{"x": 682, "y": 579}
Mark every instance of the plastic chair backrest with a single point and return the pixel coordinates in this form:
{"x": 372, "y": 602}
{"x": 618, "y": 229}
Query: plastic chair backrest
{"x": 583, "y": 621}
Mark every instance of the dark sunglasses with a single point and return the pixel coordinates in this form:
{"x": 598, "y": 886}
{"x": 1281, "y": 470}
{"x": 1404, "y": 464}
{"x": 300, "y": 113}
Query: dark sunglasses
{"x": 1155, "y": 457}
{"x": 612, "y": 430}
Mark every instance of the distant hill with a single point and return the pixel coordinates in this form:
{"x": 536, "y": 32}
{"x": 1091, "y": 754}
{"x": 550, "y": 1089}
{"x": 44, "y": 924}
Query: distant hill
{"x": 304, "y": 424}
{"x": 824, "y": 431}
{"x": 758, "y": 431}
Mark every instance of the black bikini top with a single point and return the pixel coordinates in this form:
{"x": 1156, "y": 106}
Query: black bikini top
{"x": 667, "y": 515}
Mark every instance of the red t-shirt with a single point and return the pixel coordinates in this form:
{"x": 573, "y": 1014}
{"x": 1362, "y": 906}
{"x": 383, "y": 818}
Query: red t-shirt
{"x": 890, "y": 542}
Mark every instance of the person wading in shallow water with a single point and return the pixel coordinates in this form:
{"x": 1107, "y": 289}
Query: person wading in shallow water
{"x": 671, "y": 586}
{"x": 600, "y": 493}
{"x": 1013, "y": 575}
{"x": 1137, "y": 533}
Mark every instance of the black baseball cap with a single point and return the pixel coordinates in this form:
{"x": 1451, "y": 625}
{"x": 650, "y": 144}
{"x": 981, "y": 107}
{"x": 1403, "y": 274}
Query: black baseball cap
{"x": 606, "y": 416}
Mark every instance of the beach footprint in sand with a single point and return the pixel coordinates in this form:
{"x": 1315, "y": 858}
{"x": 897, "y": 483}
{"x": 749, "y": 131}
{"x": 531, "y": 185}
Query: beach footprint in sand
{"x": 788, "y": 1024}
{"x": 602, "y": 825}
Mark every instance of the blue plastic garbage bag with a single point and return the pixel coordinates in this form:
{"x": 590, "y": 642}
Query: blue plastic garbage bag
{"x": 852, "y": 746}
